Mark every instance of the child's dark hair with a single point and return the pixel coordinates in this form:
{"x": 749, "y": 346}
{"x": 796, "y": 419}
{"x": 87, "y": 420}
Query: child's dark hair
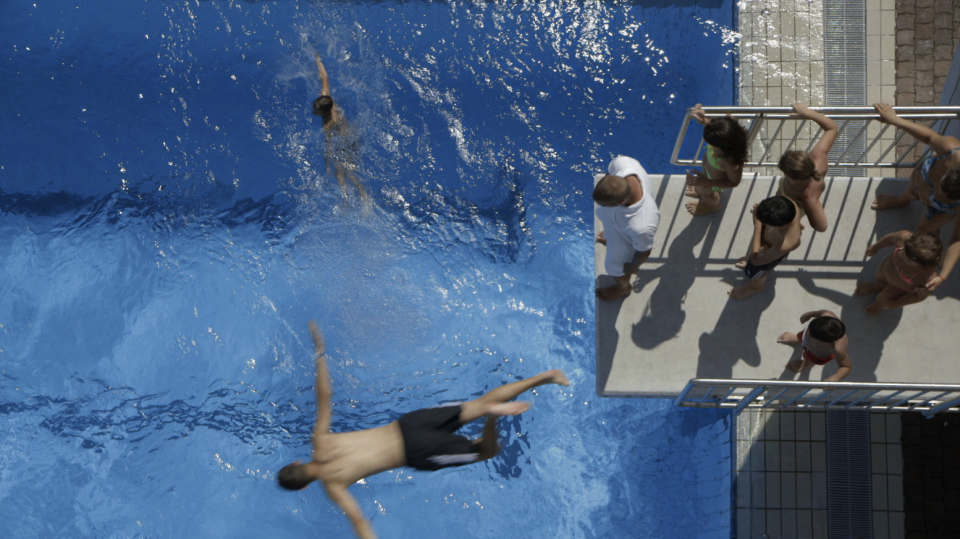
{"x": 322, "y": 105}
{"x": 827, "y": 329}
{"x": 924, "y": 249}
{"x": 776, "y": 211}
{"x": 293, "y": 477}
{"x": 728, "y": 135}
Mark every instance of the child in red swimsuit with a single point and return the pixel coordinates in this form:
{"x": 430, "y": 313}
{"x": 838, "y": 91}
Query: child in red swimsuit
{"x": 822, "y": 341}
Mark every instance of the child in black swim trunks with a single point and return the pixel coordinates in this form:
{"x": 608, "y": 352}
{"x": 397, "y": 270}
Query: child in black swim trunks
{"x": 776, "y": 232}
{"x": 423, "y": 439}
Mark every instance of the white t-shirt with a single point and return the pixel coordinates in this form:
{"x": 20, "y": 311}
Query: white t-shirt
{"x": 628, "y": 229}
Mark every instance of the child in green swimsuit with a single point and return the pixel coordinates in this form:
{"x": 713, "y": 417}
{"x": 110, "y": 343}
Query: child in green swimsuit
{"x": 722, "y": 165}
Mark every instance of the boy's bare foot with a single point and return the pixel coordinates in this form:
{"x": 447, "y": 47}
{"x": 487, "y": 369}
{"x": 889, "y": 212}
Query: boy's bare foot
{"x": 745, "y": 291}
{"x": 873, "y": 308}
{"x": 507, "y": 408}
{"x": 867, "y": 287}
{"x": 701, "y": 207}
{"x": 742, "y": 263}
{"x": 788, "y": 338}
{"x": 691, "y": 192}
{"x": 882, "y": 202}
{"x": 794, "y": 365}
{"x": 608, "y": 293}
{"x": 556, "y": 376}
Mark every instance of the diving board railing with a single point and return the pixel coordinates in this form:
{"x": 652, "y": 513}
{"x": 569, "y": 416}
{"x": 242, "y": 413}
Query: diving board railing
{"x": 781, "y": 124}
{"x": 820, "y": 396}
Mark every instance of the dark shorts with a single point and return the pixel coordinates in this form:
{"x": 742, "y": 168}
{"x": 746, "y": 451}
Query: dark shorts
{"x": 755, "y": 272}
{"x": 429, "y": 440}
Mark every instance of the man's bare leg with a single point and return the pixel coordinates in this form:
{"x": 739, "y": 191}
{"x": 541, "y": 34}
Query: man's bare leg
{"x": 622, "y": 288}
{"x": 497, "y": 402}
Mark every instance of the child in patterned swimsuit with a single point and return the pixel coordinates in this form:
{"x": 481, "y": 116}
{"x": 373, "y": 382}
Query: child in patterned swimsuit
{"x": 823, "y": 340}
{"x": 935, "y": 183}
{"x": 902, "y": 276}
{"x": 722, "y": 165}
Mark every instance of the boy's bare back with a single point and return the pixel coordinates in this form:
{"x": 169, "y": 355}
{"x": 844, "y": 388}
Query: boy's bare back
{"x": 779, "y": 240}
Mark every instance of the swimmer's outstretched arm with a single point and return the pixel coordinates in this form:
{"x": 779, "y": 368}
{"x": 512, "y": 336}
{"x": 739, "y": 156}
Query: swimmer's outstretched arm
{"x": 324, "y": 79}
{"x": 348, "y": 504}
{"x": 323, "y": 388}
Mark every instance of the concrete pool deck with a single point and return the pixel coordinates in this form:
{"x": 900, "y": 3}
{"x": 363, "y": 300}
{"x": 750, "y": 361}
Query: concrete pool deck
{"x": 679, "y": 323}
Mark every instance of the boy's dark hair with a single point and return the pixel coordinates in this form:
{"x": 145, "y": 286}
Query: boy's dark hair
{"x": 322, "y": 105}
{"x": 728, "y": 135}
{"x": 924, "y": 249}
{"x": 293, "y": 477}
{"x": 951, "y": 182}
{"x": 776, "y": 211}
{"x": 826, "y": 329}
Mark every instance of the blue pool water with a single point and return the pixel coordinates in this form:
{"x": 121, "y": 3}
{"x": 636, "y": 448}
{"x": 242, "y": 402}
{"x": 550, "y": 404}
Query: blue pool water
{"x": 170, "y": 227}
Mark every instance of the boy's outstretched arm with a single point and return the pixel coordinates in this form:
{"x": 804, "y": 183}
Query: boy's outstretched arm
{"x": 348, "y": 504}
{"x": 844, "y": 370}
{"x": 324, "y": 79}
{"x": 324, "y": 391}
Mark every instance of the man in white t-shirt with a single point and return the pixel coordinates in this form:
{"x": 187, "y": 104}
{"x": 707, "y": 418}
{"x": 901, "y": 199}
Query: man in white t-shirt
{"x": 630, "y": 217}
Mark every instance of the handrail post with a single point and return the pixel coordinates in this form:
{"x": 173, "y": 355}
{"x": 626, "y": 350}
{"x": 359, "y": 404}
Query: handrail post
{"x": 748, "y": 399}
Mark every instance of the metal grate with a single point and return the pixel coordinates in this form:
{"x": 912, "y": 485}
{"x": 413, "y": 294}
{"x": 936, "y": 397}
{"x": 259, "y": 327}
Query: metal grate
{"x": 849, "y": 479}
{"x": 845, "y": 64}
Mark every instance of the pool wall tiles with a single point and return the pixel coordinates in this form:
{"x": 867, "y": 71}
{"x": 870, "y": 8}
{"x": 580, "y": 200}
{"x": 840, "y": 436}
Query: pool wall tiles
{"x": 781, "y": 475}
{"x": 783, "y": 61}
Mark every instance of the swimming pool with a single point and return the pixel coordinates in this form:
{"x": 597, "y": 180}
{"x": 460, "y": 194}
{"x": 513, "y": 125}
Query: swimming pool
{"x": 170, "y": 228}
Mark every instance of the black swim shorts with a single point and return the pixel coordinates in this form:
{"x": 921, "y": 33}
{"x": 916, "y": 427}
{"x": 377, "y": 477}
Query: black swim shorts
{"x": 755, "y": 272}
{"x": 429, "y": 440}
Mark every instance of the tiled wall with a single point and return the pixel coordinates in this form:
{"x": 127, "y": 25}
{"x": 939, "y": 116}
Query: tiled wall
{"x": 782, "y": 62}
{"x": 781, "y": 475}
{"x": 781, "y": 488}
{"x": 887, "y": 464}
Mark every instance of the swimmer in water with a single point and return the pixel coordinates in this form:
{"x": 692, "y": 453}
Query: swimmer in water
{"x": 342, "y": 145}
{"x": 423, "y": 439}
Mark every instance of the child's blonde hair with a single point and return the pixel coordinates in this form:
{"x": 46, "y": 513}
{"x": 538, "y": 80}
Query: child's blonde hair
{"x": 924, "y": 249}
{"x": 799, "y": 166}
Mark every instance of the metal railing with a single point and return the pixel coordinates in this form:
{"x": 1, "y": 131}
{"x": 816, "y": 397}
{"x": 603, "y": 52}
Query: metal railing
{"x": 795, "y": 395}
{"x": 784, "y": 120}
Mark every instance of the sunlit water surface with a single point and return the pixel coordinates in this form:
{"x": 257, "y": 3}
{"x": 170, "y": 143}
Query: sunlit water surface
{"x": 170, "y": 227}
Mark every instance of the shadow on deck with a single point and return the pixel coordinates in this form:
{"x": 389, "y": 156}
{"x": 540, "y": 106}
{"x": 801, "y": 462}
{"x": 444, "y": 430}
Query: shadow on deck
{"x": 680, "y": 324}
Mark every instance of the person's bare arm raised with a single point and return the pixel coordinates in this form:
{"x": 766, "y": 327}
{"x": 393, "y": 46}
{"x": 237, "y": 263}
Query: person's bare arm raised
{"x": 324, "y": 78}
{"x": 348, "y": 504}
{"x": 324, "y": 391}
